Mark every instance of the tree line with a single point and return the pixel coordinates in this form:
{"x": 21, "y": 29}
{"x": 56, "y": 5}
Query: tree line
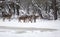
{"x": 30, "y": 9}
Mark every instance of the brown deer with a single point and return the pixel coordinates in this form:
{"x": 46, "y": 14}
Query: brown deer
{"x": 35, "y": 17}
{"x": 29, "y": 18}
{"x": 6, "y": 16}
{"x": 32, "y": 17}
{"x": 24, "y": 18}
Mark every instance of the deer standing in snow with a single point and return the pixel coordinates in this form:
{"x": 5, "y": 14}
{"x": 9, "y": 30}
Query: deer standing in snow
{"x": 6, "y": 15}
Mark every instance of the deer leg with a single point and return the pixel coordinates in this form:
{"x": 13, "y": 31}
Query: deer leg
{"x": 9, "y": 19}
{"x": 3, "y": 19}
{"x": 19, "y": 20}
{"x": 34, "y": 19}
{"x": 30, "y": 20}
{"x": 24, "y": 20}
{"x": 27, "y": 19}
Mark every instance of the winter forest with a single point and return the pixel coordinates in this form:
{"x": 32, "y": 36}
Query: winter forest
{"x": 29, "y": 10}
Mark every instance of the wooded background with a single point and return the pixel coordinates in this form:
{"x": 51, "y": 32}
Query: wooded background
{"x": 30, "y": 9}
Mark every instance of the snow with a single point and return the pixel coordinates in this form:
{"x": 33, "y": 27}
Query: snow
{"x": 30, "y": 34}
{"x": 39, "y": 24}
{"x": 54, "y": 24}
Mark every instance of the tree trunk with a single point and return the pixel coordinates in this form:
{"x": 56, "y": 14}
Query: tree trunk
{"x": 17, "y": 11}
{"x": 55, "y": 9}
{"x": 46, "y": 7}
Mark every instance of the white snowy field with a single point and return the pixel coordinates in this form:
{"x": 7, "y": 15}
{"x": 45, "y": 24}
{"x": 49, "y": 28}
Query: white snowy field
{"x": 30, "y": 34}
{"x": 39, "y": 24}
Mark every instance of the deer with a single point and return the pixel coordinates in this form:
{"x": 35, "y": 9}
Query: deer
{"x": 30, "y": 18}
{"x": 6, "y": 15}
{"x": 24, "y": 18}
{"x": 35, "y": 17}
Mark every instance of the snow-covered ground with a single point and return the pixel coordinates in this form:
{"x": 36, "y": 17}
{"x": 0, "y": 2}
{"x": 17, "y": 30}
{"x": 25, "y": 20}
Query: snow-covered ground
{"x": 30, "y": 34}
{"x": 38, "y": 24}
{"x": 53, "y": 24}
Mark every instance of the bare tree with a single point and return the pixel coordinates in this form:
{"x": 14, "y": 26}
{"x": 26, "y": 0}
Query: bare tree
{"x": 12, "y": 5}
{"x": 55, "y": 9}
{"x": 17, "y": 8}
